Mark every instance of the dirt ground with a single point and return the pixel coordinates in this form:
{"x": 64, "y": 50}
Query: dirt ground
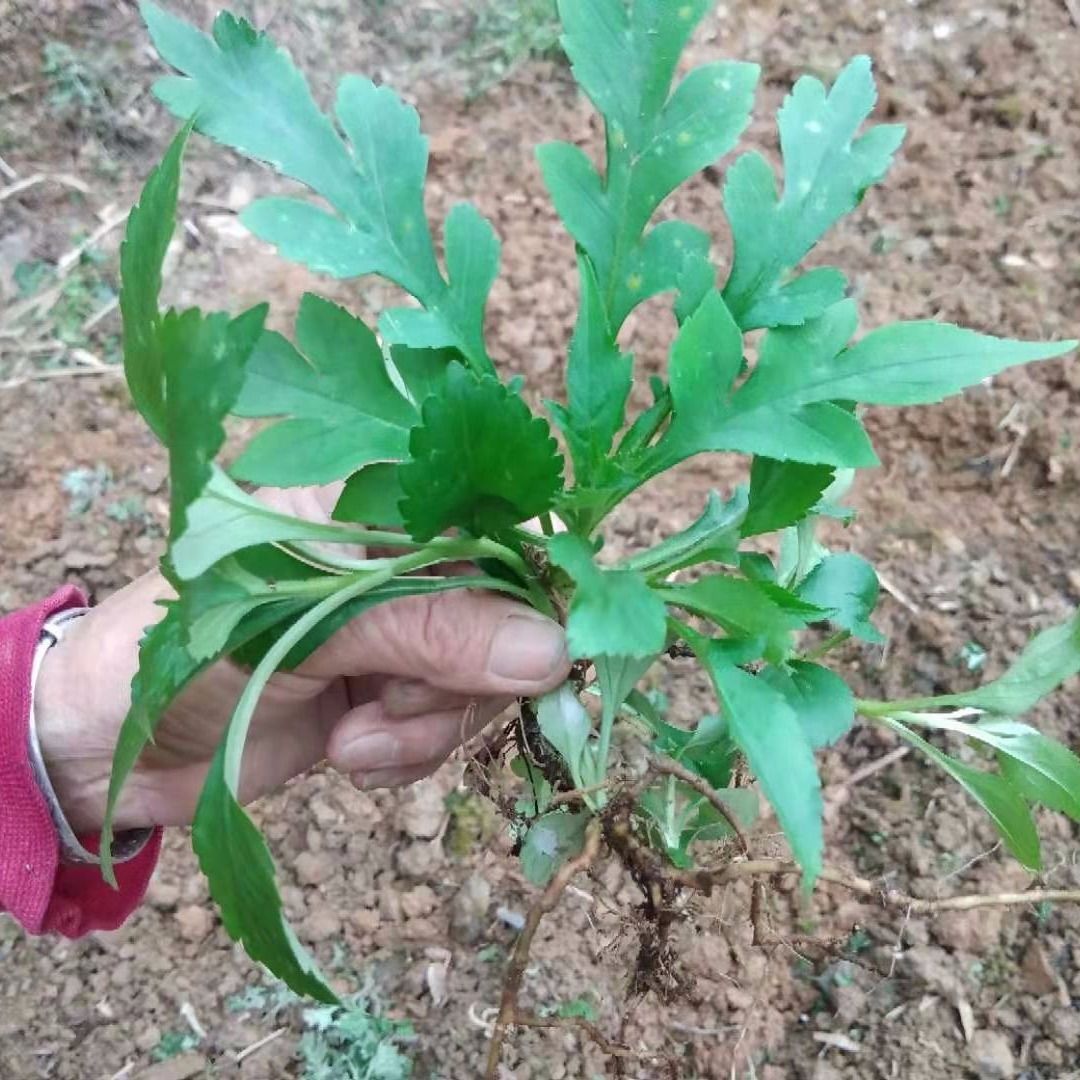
{"x": 971, "y": 520}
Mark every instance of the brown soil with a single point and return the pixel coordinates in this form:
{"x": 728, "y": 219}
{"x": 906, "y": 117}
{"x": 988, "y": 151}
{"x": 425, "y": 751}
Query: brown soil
{"x": 971, "y": 519}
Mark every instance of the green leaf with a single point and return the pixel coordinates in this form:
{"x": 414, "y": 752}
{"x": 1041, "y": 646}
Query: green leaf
{"x": 149, "y": 229}
{"x": 372, "y": 497}
{"x": 918, "y": 363}
{"x": 847, "y": 585}
{"x": 244, "y": 92}
{"x": 1044, "y": 770}
{"x": 480, "y": 460}
{"x": 714, "y": 537}
{"x": 625, "y": 60}
{"x": 1006, "y": 807}
{"x": 472, "y": 259}
{"x": 747, "y": 609}
{"x": 613, "y": 612}
{"x": 344, "y": 411}
{"x": 598, "y": 381}
{"x": 237, "y": 864}
{"x": 706, "y": 359}
{"x": 1049, "y": 659}
{"x": 782, "y": 493}
{"x": 768, "y": 732}
{"x": 204, "y": 359}
{"x": 565, "y": 724}
{"x": 223, "y": 520}
{"x": 820, "y": 699}
{"x": 550, "y": 841}
{"x": 826, "y": 172}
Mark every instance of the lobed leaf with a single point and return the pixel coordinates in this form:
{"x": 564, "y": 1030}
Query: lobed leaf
{"x": 826, "y": 172}
{"x": 343, "y": 410}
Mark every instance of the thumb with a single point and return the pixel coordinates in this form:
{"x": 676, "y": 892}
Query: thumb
{"x": 473, "y": 643}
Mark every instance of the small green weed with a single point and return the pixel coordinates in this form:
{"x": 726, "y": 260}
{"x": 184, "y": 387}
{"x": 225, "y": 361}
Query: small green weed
{"x": 174, "y": 1043}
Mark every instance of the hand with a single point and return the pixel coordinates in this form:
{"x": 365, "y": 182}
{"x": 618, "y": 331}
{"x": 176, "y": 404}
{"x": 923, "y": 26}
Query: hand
{"x": 386, "y": 700}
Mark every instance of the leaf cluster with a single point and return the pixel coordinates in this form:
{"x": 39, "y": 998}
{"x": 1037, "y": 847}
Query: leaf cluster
{"x": 443, "y": 461}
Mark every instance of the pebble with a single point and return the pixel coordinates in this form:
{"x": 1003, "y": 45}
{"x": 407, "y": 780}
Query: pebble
{"x": 420, "y": 860}
{"x": 422, "y": 810}
{"x": 313, "y": 867}
{"x": 195, "y": 923}
{"x": 419, "y": 901}
{"x": 321, "y": 925}
{"x": 469, "y": 909}
{"x": 992, "y": 1055}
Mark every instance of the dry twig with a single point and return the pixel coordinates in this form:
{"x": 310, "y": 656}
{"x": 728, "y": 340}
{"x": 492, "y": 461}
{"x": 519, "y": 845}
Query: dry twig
{"x": 670, "y": 767}
{"x": 508, "y": 1011}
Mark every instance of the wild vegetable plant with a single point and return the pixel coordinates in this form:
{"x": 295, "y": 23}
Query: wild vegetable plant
{"x": 444, "y": 461}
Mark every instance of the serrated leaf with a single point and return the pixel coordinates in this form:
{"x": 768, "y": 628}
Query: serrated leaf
{"x": 1050, "y": 658}
{"x": 598, "y": 380}
{"x": 149, "y": 230}
{"x": 1045, "y": 771}
{"x": 768, "y": 732}
{"x": 243, "y": 91}
{"x": 826, "y": 171}
{"x": 1006, "y": 807}
{"x": 204, "y": 359}
{"x": 479, "y": 460}
{"x": 782, "y": 493}
{"x": 343, "y": 411}
{"x": 819, "y": 698}
{"x": 238, "y": 866}
{"x": 613, "y": 612}
{"x": 165, "y": 668}
{"x": 847, "y": 584}
{"x": 551, "y": 840}
{"x": 714, "y": 537}
{"x": 747, "y": 609}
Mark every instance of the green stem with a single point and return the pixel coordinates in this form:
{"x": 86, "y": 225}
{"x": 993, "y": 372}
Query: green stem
{"x": 878, "y": 709}
{"x": 240, "y": 723}
{"x": 827, "y": 646}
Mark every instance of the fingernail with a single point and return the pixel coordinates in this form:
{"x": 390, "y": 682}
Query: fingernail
{"x": 369, "y": 752}
{"x": 381, "y": 778}
{"x": 527, "y": 648}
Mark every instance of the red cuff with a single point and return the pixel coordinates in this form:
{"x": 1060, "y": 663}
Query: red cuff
{"x": 41, "y": 892}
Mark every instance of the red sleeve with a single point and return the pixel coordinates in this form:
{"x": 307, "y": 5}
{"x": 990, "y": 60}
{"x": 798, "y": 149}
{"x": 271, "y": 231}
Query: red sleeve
{"x": 41, "y": 892}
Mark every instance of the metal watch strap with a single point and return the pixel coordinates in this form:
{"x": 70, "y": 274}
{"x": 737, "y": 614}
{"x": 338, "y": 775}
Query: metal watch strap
{"x": 127, "y": 845}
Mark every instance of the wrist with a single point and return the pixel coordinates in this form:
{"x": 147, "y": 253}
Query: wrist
{"x": 81, "y": 697}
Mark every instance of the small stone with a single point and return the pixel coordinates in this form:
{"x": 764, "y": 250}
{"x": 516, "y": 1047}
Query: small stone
{"x": 321, "y": 925}
{"x": 195, "y": 923}
{"x": 469, "y": 909}
{"x": 1047, "y": 1052}
{"x": 933, "y": 967}
{"x": 419, "y": 901}
{"x": 178, "y": 1068}
{"x": 972, "y": 932}
{"x": 1036, "y": 974}
{"x": 79, "y": 559}
{"x": 148, "y": 1039}
{"x": 313, "y": 867}
{"x": 162, "y": 895}
{"x": 390, "y": 904}
{"x": 420, "y": 860}
{"x": 992, "y": 1055}
{"x": 422, "y": 810}
{"x": 1063, "y": 1026}
{"x": 366, "y": 920}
